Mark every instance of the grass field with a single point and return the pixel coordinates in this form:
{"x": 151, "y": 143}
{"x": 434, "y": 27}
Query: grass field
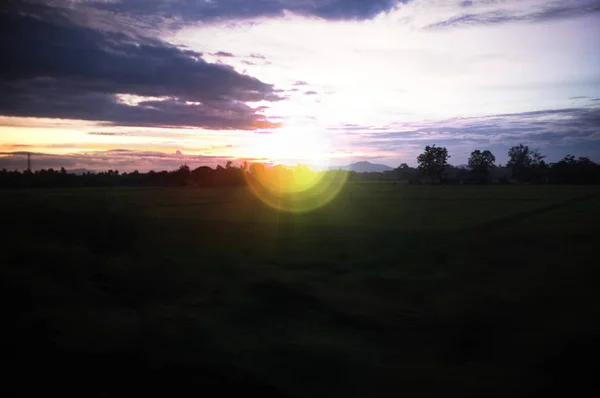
{"x": 389, "y": 290}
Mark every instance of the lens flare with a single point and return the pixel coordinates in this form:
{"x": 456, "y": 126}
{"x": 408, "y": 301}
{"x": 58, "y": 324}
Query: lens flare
{"x": 297, "y": 189}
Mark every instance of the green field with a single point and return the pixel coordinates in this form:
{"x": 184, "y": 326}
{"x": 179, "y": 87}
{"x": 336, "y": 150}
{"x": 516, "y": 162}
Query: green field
{"x": 389, "y": 290}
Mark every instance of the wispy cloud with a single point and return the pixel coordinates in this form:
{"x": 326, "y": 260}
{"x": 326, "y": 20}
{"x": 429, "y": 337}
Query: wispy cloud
{"x": 497, "y": 12}
{"x": 106, "y": 133}
{"x": 223, "y": 54}
{"x": 258, "y": 56}
{"x": 555, "y": 131}
{"x": 117, "y": 159}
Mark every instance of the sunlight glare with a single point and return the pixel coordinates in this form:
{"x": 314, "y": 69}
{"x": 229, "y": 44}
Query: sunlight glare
{"x": 294, "y": 189}
{"x": 299, "y": 188}
{"x": 292, "y": 145}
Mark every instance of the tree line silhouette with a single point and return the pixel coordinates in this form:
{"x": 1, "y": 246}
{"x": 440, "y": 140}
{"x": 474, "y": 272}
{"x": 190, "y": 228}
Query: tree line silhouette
{"x": 525, "y": 165}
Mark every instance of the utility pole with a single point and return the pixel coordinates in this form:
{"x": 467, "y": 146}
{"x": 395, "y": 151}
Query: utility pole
{"x": 29, "y": 162}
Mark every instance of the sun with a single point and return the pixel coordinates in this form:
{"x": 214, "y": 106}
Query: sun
{"x": 292, "y": 145}
{"x": 293, "y": 184}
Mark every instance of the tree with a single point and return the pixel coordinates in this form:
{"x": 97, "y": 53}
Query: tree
{"x": 526, "y": 164}
{"x": 433, "y": 162}
{"x": 569, "y": 160}
{"x": 405, "y": 172}
{"x": 482, "y": 163}
{"x": 181, "y": 176}
{"x": 571, "y": 170}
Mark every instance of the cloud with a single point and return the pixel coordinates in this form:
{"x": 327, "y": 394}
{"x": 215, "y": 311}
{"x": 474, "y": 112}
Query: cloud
{"x": 193, "y": 10}
{"x": 50, "y": 99}
{"x": 532, "y": 12}
{"x": 105, "y": 133}
{"x": 117, "y": 159}
{"x": 310, "y": 92}
{"x": 15, "y": 146}
{"x": 351, "y": 9}
{"x": 223, "y": 54}
{"x": 258, "y": 56}
{"x": 77, "y": 72}
{"x": 536, "y": 126}
{"x": 555, "y": 131}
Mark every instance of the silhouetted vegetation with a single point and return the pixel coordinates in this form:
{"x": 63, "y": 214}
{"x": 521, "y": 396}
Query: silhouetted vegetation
{"x": 433, "y": 162}
{"x": 525, "y": 165}
{"x": 482, "y": 165}
{"x": 202, "y": 176}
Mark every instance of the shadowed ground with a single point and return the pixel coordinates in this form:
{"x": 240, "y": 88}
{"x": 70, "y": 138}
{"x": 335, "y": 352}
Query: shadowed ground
{"x": 389, "y": 290}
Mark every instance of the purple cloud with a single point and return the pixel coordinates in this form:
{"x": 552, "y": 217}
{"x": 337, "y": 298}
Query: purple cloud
{"x": 76, "y": 72}
{"x": 551, "y": 11}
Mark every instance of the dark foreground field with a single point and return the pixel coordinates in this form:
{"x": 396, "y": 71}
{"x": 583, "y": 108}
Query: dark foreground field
{"x": 389, "y": 291}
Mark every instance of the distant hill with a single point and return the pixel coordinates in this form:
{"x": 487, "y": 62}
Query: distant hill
{"x": 365, "y": 167}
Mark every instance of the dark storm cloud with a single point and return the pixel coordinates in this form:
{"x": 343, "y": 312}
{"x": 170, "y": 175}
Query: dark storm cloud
{"x": 550, "y": 11}
{"x": 50, "y": 99}
{"x": 194, "y": 10}
{"x": 52, "y": 67}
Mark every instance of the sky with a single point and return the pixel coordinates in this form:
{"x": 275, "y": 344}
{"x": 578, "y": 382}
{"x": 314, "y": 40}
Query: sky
{"x": 148, "y": 84}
